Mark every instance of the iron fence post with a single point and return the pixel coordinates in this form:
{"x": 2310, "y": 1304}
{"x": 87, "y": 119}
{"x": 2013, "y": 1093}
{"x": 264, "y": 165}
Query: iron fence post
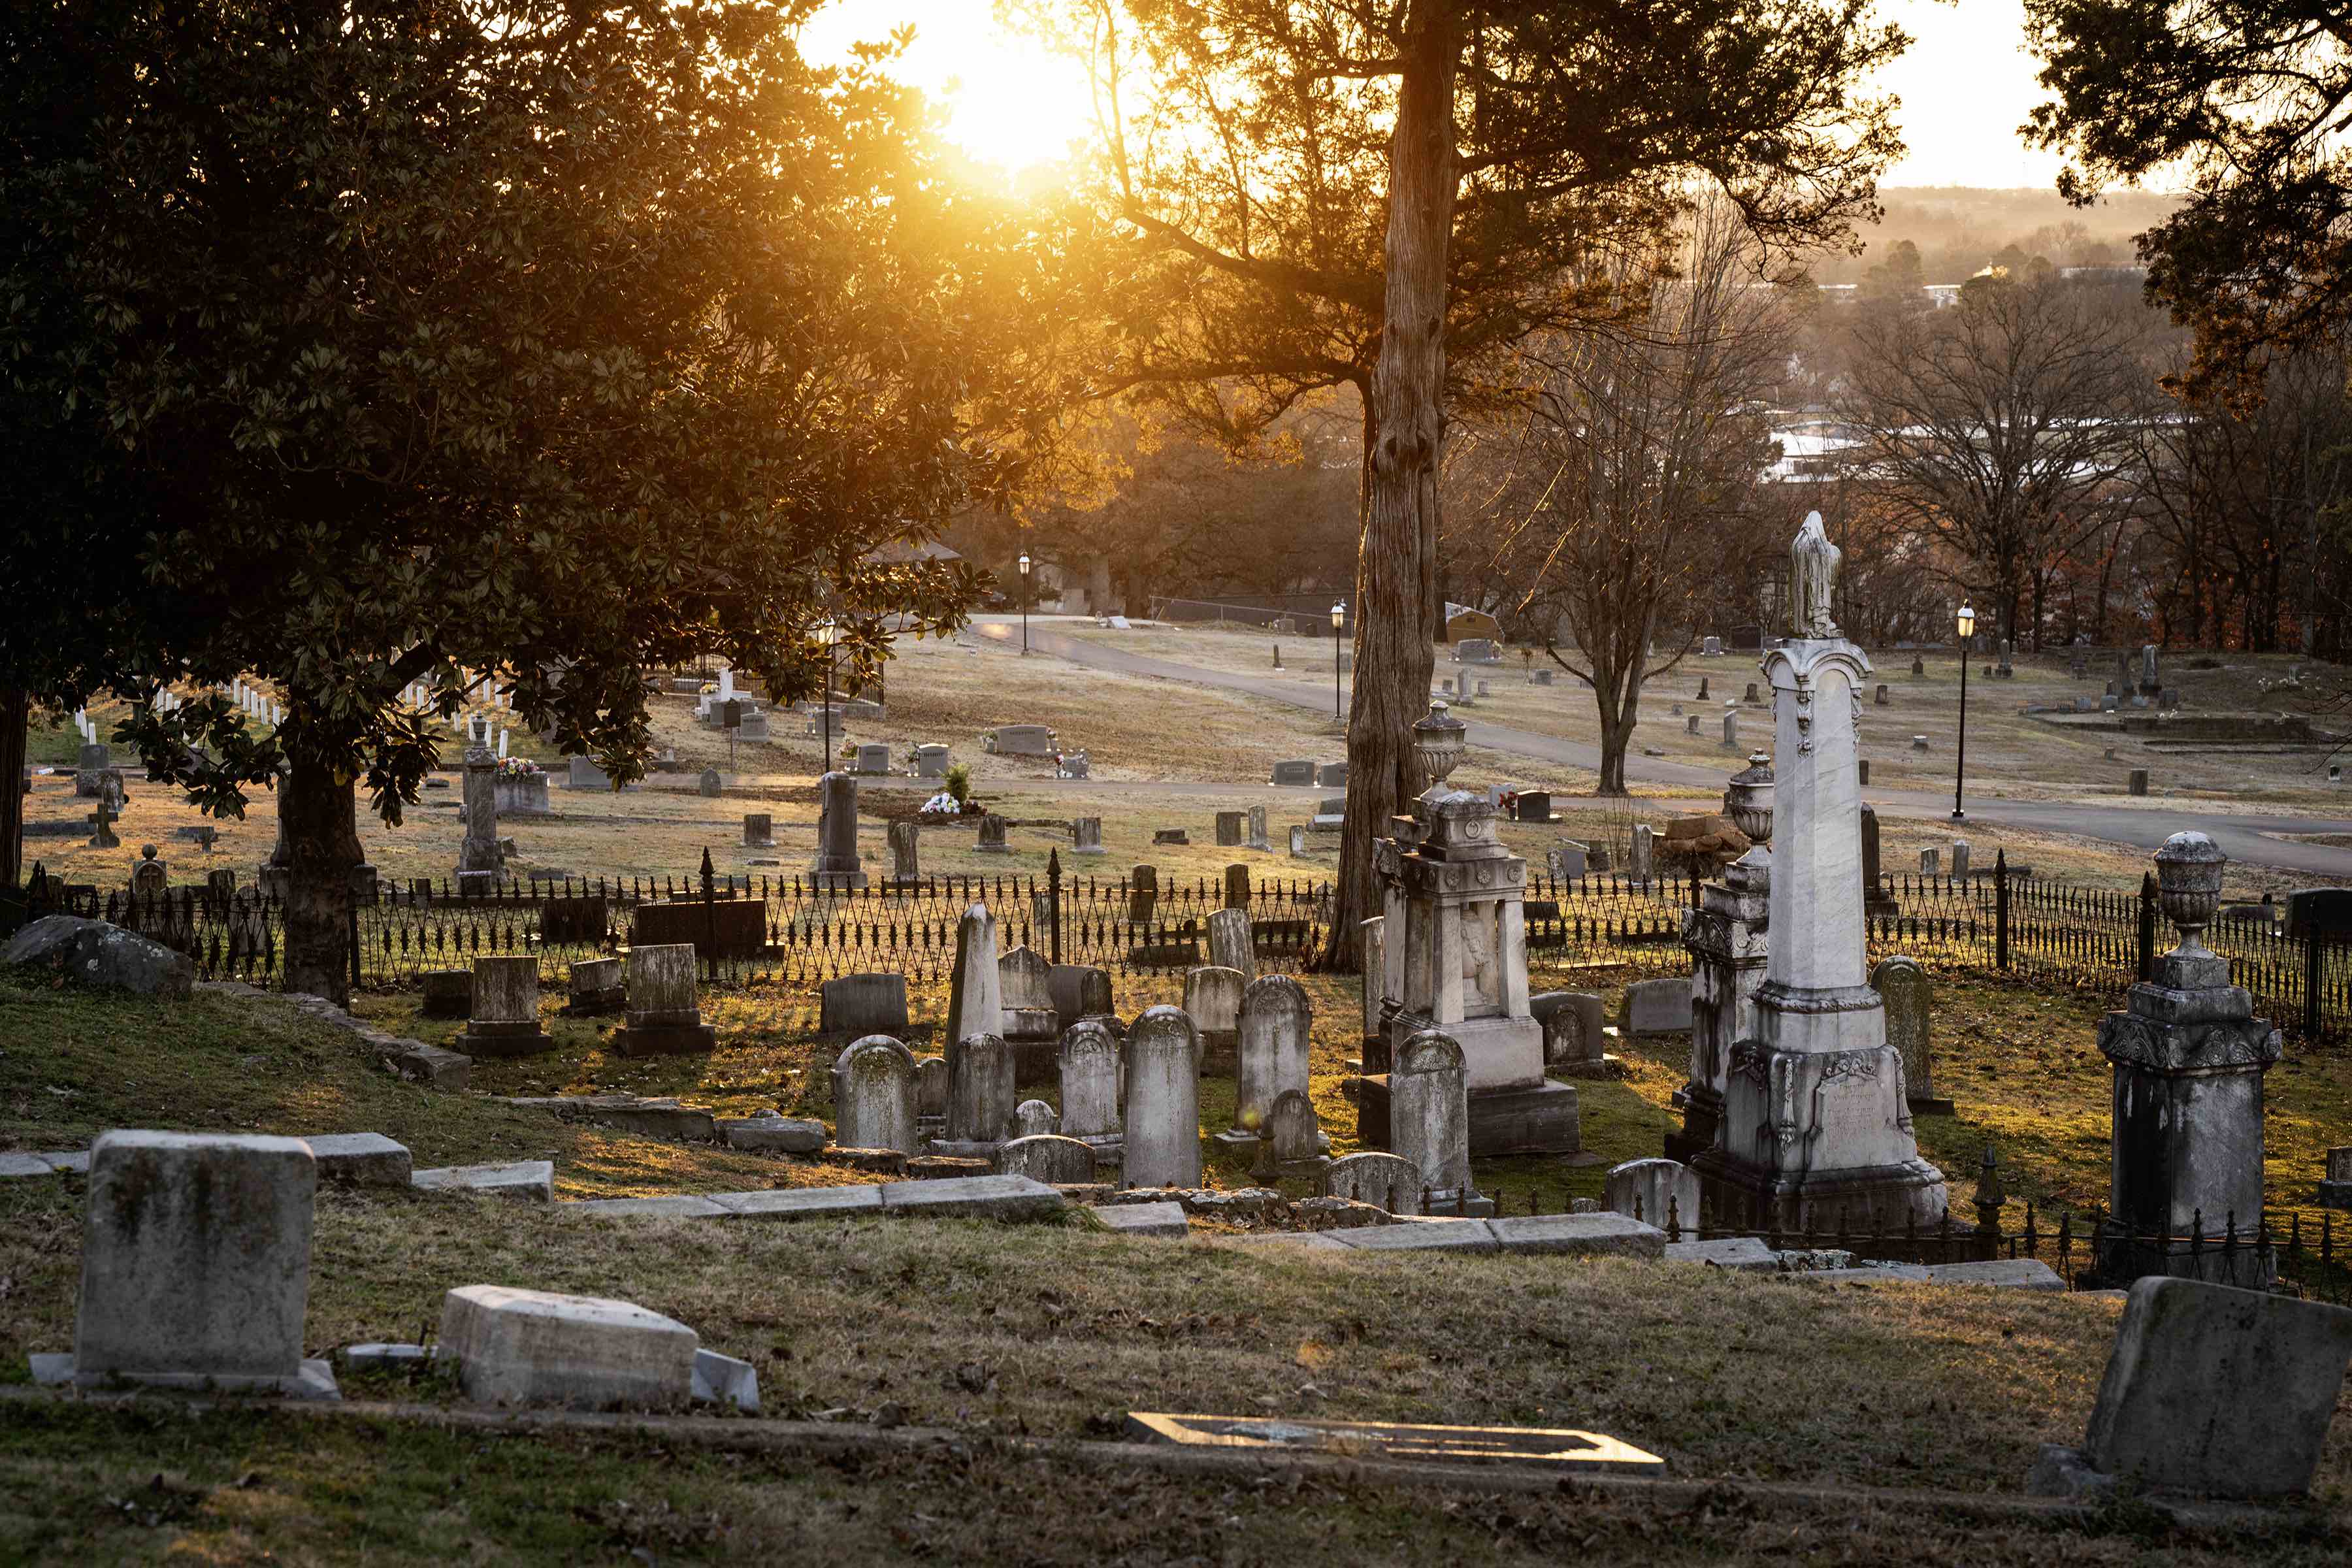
{"x": 2147, "y": 925}
{"x": 1053, "y": 902}
{"x": 2314, "y": 965}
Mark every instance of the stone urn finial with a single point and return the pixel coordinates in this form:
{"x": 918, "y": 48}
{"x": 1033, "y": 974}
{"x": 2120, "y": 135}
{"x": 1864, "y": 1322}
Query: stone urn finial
{"x": 1439, "y": 738}
{"x": 1749, "y": 801}
{"x": 2189, "y": 884}
{"x": 146, "y": 852}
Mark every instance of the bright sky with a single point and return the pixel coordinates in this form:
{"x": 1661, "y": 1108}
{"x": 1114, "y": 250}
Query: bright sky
{"x": 1966, "y": 84}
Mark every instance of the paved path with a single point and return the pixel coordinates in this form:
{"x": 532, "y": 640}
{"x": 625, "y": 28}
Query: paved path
{"x": 2248, "y": 839}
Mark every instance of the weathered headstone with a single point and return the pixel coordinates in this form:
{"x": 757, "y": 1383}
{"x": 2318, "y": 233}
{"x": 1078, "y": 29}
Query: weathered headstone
{"x": 759, "y": 830}
{"x": 663, "y": 1017}
{"x": 2139, "y": 781}
{"x": 1292, "y": 1141}
{"x": 1332, "y": 776}
{"x": 481, "y": 851}
{"x": 2210, "y": 1391}
{"x": 1931, "y": 861}
{"x": 1655, "y": 1191}
{"x": 1164, "y": 1101}
{"x": 874, "y": 1099}
{"x": 1731, "y": 731}
{"x": 1275, "y": 1024}
{"x": 1229, "y": 829}
{"x": 1657, "y": 1007}
{"x": 1298, "y": 841}
{"x": 981, "y": 1091}
{"x": 582, "y": 773}
{"x": 1382, "y": 1180}
{"x": 931, "y": 760}
{"x": 1573, "y": 1042}
{"x": 504, "y": 1018}
{"x": 931, "y": 1088}
{"x": 1231, "y": 944}
{"x": 1237, "y": 889}
{"x": 523, "y": 1347}
{"x": 863, "y": 1005}
{"x": 1142, "y": 894}
{"x": 1257, "y": 839}
{"x": 905, "y": 856}
{"x": 1032, "y": 1118}
{"x": 992, "y": 834}
{"x": 1213, "y": 1001}
{"x": 1029, "y": 1021}
{"x": 597, "y": 986}
{"x": 1960, "y": 859}
{"x": 836, "y": 864}
{"x": 1909, "y": 996}
{"x": 1086, "y": 836}
{"x": 1294, "y": 773}
{"x": 1090, "y": 1091}
{"x": 1047, "y": 1157}
{"x": 196, "y": 1265}
{"x": 1642, "y": 865}
{"x": 709, "y": 785}
{"x": 1429, "y": 1120}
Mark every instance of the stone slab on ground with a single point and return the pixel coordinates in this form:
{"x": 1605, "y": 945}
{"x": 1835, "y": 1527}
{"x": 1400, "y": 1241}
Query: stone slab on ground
{"x": 773, "y": 1134}
{"x": 992, "y": 1197}
{"x": 1419, "y": 1236}
{"x": 802, "y": 1203}
{"x": 1747, "y": 1254}
{"x": 312, "y": 1379}
{"x": 377, "y": 1355}
{"x": 533, "y": 1179}
{"x": 2214, "y": 1391}
{"x": 1311, "y": 1240}
{"x": 69, "y": 1161}
{"x": 1658, "y": 1006}
{"x": 1146, "y": 1220}
{"x": 535, "y": 1347}
{"x": 649, "y": 1117}
{"x": 1885, "y": 1274}
{"x": 19, "y": 1164}
{"x": 361, "y": 1159}
{"x": 1583, "y": 1235}
{"x": 2007, "y": 1273}
{"x": 676, "y": 1205}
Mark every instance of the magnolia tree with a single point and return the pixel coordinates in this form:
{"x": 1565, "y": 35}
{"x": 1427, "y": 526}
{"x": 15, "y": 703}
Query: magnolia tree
{"x": 352, "y": 346}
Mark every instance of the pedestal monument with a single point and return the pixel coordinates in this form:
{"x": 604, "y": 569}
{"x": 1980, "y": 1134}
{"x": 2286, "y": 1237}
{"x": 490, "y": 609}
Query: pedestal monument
{"x": 1815, "y": 1130}
{"x": 1454, "y": 959}
{"x": 2188, "y": 1056}
{"x": 1726, "y": 937}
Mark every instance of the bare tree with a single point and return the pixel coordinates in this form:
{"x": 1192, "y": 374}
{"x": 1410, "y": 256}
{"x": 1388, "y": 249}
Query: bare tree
{"x": 1642, "y": 447}
{"x": 1996, "y": 424}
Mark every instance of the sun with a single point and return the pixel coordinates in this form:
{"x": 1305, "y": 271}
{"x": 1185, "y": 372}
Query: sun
{"x": 1010, "y": 101}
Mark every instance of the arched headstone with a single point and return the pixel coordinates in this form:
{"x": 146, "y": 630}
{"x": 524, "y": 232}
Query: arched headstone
{"x": 1385, "y": 1181}
{"x": 980, "y": 1090}
{"x": 1089, "y": 1064}
{"x": 1047, "y": 1157}
{"x": 1429, "y": 1113}
{"x": 1163, "y": 1100}
{"x": 1271, "y": 1051}
{"x": 873, "y": 1096}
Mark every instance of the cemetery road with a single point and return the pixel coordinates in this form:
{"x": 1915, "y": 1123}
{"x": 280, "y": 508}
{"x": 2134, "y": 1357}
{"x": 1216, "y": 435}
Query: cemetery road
{"x": 2245, "y": 838}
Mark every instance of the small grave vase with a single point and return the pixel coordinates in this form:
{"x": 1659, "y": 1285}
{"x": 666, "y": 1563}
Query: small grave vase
{"x": 1749, "y": 801}
{"x": 2188, "y": 885}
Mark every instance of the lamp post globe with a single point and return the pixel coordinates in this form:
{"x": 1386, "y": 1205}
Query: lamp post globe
{"x": 1966, "y": 623}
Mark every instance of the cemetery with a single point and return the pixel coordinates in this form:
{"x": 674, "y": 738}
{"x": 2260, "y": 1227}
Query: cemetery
{"x": 723, "y": 846}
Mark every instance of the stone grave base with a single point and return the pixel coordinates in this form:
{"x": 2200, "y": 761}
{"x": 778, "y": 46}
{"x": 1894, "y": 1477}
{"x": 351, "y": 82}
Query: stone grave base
{"x": 664, "y": 1039}
{"x": 481, "y": 1039}
{"x": 316, "y": 1380}
{"x": 1886, "y": 1199}
{"x": 1930, "y": 1105}
{"x": 1539, "y": 1118}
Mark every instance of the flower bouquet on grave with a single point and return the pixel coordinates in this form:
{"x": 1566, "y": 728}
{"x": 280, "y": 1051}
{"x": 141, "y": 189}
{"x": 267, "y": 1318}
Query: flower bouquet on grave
{"x": 517, "y": 768}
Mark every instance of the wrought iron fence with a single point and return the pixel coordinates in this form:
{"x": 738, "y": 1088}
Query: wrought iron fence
{"x": 1581, "y": 931}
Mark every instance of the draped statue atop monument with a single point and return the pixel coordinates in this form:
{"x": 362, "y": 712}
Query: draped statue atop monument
{"x": 1812, "y": 580}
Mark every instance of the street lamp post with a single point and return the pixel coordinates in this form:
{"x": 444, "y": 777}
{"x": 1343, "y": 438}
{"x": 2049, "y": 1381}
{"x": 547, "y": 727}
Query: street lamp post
{"x": 1025, "y": 601}
{"x": 827, "y": 634}
{"x": 1338, "y": 620}
{"x": 1967, "y": 622}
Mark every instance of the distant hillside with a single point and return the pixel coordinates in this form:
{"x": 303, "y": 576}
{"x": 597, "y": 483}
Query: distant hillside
{"x": 1959, "y": 228}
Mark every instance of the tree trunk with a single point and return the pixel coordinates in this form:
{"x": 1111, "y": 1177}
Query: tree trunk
{"x": 1396, "y": 567}
{"x": 15, "y": 710}
{"x": 322, "y": 846}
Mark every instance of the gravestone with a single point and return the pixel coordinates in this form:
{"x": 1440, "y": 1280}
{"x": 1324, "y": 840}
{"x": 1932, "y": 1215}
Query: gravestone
{"x": 1702, "y": 696}
{"x": 1909, "y": 997}
{"x": 1876, "y": 903}
{"x": 1655, "y": 1191}
{"x": 905, "y": 838}
{"x": 582, "y": 773}
{"x": 932, "y": 761}
{"x": 1731, "y": 731}
{"x": 1751, "y": 695}
{"x": 2149, "y": 684}
{"x": 2004, "y": 669}
{"x": 992, "y": 834}
{"x": 448, "y": 992}
{"x": 708, "y": 787}
{"x": 663, "y": 1017}
{"x": 597, "y": 986}
{"x": 1476, "y": 650}
{"x": 1298, "y": 841}
{"x": 1332, "y": 776}
{"x": 504, "y": 1018}
{"x": 1230, "y": 942}
{"x": 2336, "y": 1184}
{"x": 2139, "y": 781}
{"x": 837, "y": 866}
{"x": 873, "y": 758}
{"x": 1258, "y": 829}
{"x": 1086, "y": 836}
{"x": 1073, "y": 765}
{"x": 1142, "y": 894}
{"x": 1292, "y": 1146}
{"x": 150, "y": 879}
{"x": 1656, "y": 1007}
{"x": 931, "y": 1088}
{"x": 975, "y": 996}
{"x": 1089, "y": 1062}
{"x": 863, "y": 1005}
{"x": 1079, "y": 991}
{"x": 1960, "y": 859}
{"x": 1275, "y": 1022}
{"x": 1918, "y": 744}
{"x": 1883, "y": 695}
{"x": 751, "y": 729}
{"x": 2322, "y": 913}
{"x": 1213, "y": 1001}
{"x": 1299, "y": 772}
{"x": 195, "y": 1266}
{"x": 1930, "y": 861}
{"x": 1429, "y": 1121}
{"x": 1690, "y": 724}
{"x": 2188, "y": 1059}
{"x": 873, "y": 1099}
{"x": 1919, "y": 665}
{"x": 1229, "y": 829}
{"x": 1164, "y": 1101}
{"x": 1027, "y": 1017}
{"x": 534, "y": 1347}
{"x": 759, "y": 830}
{"x": 1567, "y": 861}
{"x": 1330, "y": 815}
{"x": 481, "y": 851}
{"x": 1861, "y": 771}
{"x": 1047, "y": 1157}
{"x": 2208, "y": 1391}
{"x": 1532, "y": 806}
{"x": 1710, "y": 648}
{"x": 1381, "y": 1180}
{"x": 981, "y": 1091}
{"x": 1018, "y": 740}
{"x": 1574, "y": 1046}
{"x": 1032, "y": 1118}
{"x": 1540, "y": 676}
{"x": 1642, "y": 865}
